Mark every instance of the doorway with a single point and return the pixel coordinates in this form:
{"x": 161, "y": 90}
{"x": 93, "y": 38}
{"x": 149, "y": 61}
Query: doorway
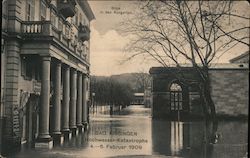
{"x": 28, "y": 120}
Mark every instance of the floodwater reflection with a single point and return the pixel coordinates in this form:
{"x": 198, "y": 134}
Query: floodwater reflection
{"x": 200, "y": 139}
{"x": 137, "y": 135}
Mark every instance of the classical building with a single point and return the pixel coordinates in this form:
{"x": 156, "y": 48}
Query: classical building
{"x": 44, "y": 70}
{"x": 175, "y": 99}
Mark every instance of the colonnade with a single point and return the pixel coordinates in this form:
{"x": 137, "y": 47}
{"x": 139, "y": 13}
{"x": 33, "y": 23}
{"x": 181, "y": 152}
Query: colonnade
{"x": 73, "y": 110}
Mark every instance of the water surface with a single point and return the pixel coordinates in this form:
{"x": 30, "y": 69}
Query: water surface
{"x": 134, "y": 134}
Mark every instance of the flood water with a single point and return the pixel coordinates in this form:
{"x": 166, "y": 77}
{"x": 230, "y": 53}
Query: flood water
{"x": 133, "y": 133}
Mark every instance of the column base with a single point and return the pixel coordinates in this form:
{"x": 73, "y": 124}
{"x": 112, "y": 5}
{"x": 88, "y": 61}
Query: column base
{"x": 74, "y": 131}
{"x": 67, "y": 135}
{"x": 58, "y": 139}
{"x": 85, "y": 126}
{"x": 80, "y": 128}
{"x": 44, "y": 143}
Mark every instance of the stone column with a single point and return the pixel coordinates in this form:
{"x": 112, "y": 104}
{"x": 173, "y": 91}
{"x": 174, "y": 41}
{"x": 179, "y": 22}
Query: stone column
{"x": 65, "y": 107}
{"x": 44, "y": 139}
{"x": 79, "y": 102}
{"x": 84, "y": 103}
{"x": 57, "y": 105}
{"x": 72, "y": 109}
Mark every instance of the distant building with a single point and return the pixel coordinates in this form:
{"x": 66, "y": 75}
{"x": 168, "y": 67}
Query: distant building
{"x": 243, "y": 58}
{"x": 138, "y": 99}
{"x": 44, "y": 70}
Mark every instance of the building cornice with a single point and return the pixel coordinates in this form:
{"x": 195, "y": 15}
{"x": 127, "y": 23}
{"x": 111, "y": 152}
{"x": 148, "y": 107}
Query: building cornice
{"x": 87, "y": 9}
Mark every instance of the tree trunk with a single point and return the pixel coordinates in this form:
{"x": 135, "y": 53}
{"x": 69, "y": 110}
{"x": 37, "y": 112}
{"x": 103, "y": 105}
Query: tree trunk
{"x": 209, "y": 107}
{"x": 209, "y": 100}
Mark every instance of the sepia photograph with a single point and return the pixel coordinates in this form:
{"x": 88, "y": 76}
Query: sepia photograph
{"x": 124, "y": 79}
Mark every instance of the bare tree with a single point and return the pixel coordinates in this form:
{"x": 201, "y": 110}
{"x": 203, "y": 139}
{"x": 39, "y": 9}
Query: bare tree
{"x": 192, "y": 32}
{"x": 142, "y": 81}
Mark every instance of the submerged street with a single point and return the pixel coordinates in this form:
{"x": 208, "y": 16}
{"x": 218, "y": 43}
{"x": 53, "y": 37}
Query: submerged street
{"x": 133, "y": 133}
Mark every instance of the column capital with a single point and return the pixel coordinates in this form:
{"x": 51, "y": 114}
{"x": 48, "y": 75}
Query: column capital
{"x": 58, "y": 62}
{"x": 65, "y": 65}
{"x": 80, "y": 73}
{"x": 84, "y": 75}
{"x": 46, "y": 58}
{"x": 73, "y": 69}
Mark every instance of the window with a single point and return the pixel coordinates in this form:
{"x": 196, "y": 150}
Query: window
{"x": 73, "y": 20}
{"x": 60, "y": 25}
{"x": 30, "y": 10}
{"x": 67, "y": 31}
{"x": 43, "y": 9}
{"x": 80, "y": 18}
{"x": 31, "y": 67}
{"x": 38, "y": 70}
{"x": 26, "y": 69}
{"x": 176, "y": 97}
{"x": 76, "y": 17}
{"x": 53, "y": 19}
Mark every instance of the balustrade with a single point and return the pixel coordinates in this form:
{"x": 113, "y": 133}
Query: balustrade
{"x": 36, "y": 27}
{"x": 45, "y": 28}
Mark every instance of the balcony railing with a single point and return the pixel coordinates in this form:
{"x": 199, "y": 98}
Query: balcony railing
{"x": 36, "y": 28}
{"x": 43, "y": 29}
{"x": 84, "y": 33}
{"x": 67, "y": 8}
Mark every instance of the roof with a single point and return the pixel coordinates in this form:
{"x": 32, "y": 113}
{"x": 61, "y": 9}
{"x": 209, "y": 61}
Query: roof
{"x": 237, "y": 66}
{"x": 217, "y": 66}
{"x": 244, "y": 55}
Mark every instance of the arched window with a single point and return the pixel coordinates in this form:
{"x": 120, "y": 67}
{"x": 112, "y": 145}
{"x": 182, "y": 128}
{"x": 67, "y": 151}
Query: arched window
{"x": 175, "y": 87}
{"x": 175, "y": 97}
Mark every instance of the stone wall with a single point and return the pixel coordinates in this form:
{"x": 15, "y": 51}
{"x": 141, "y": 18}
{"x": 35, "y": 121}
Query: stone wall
{"x": 230, "y": 91}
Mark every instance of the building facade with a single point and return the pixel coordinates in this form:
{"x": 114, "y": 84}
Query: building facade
{"x": 175, "y": 99}
{"x": 44, "y": 70}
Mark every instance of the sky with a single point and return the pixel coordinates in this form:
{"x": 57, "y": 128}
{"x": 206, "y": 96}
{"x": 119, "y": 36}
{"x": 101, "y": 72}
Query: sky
{"x": 106, "y": 44}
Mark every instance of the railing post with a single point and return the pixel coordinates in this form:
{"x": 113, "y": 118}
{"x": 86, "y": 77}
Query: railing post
{"x": 46, "y": 28}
